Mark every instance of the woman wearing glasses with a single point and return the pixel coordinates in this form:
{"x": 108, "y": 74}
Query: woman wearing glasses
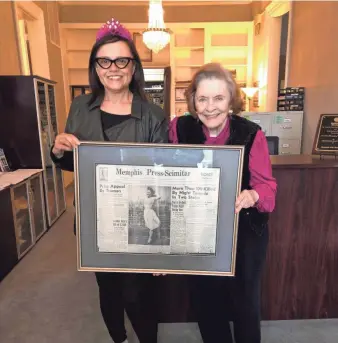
{"x": 117, "y": 110}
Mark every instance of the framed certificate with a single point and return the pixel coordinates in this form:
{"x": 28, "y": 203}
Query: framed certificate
{"x": 156, "y": 208}
{"x": 326, "y": 138}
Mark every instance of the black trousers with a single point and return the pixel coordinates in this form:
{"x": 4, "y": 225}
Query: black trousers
{"x": 218, "y": 300}
{"x": 132, "y": 293}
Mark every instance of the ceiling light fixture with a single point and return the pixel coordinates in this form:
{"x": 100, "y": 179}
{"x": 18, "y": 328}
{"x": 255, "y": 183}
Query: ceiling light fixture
{"x": 156, "y": 37}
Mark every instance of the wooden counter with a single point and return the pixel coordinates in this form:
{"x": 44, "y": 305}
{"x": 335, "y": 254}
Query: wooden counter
{"x": 303, "y": 161}
{"x": 300, "y": 278}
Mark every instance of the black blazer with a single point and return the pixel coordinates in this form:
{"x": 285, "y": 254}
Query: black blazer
{"x": 147, "y": 124}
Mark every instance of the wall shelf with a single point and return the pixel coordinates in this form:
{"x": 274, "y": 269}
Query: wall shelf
{"x": 189, "y": 66}
{"x": 78, "y": 50}
{"x": 234, "y": 65}
{"x": 192, "y": 48}
{"x": 228, "y": 47}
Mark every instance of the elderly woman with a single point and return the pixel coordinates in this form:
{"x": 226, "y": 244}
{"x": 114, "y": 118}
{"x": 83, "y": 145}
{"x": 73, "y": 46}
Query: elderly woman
{"x": 214, "y": 103}
{"x": 117, "y": 110}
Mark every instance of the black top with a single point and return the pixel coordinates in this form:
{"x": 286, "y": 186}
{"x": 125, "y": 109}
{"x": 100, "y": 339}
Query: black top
{"x": 146, "y": 124}
{"x": 109, "y": 120}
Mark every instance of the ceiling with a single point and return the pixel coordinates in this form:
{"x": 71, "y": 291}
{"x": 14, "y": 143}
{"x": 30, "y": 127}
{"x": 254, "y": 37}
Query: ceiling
{"x": 175, "y": 2}
{"x": 176, "y": 11}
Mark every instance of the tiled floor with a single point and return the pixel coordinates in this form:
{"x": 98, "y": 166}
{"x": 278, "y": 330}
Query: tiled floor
{"x": 45, "y": 300}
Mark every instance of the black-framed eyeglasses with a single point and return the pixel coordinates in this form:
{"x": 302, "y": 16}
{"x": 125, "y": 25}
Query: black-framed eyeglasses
{"x": 120, "y": 62}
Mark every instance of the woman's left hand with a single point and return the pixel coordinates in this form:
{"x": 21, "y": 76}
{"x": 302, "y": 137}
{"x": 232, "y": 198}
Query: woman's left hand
{"x": 246, "y": 199}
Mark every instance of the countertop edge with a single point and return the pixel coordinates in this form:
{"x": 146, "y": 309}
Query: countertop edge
{"x": 303, "y": 162}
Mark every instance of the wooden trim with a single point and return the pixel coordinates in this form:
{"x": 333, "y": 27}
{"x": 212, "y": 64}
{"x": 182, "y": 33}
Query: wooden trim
{"x": 278, "y": 8}
{"x": 134, "y": 3}
{"x": 289, "y": 47}
{"x": 173, "y": 26}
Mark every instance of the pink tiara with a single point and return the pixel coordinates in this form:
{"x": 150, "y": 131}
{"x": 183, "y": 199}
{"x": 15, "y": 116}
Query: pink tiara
{"x": 113, "y": 27}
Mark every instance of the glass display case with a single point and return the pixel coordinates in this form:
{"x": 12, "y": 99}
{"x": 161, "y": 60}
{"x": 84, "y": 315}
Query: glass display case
{"x": 28, "y": 212}
{"x": 35, "y": 190}
{"x": 8, "y": 246}
{"x": 22, "y": 218}
{"x": 60, "y": 190}
{"x": 53, "y": 177}
{"x": 57, "y": 172}
{"x": 31, "y": 101}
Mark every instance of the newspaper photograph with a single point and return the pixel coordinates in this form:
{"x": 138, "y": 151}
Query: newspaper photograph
{"x": 156, "y": 209}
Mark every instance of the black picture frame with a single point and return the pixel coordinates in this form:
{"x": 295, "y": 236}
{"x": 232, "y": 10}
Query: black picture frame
{"x": 95, "y": 160}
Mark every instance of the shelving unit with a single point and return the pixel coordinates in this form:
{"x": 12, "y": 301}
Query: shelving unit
{"x": 188, "y": 51}
{"x": 229, "y": 46}
{"x": 191, "y": 46}
{"x": 196, "y": 44}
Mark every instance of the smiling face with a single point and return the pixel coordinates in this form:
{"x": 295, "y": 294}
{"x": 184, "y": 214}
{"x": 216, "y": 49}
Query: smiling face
{"x": 212, "y": 103}
{"x": 115, "y": 79}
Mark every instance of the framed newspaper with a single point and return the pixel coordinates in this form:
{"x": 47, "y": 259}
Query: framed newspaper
{"x": 156, "y": 208}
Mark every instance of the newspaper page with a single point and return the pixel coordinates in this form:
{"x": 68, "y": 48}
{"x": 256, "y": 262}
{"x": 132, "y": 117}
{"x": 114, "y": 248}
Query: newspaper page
{"x": 156, "y": 209}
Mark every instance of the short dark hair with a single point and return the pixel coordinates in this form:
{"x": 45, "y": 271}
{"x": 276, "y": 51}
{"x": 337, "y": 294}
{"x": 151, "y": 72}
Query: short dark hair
{"x": 152, "y": 191}
{"x": 137, "y": 82}
{"x": 210, "y": 71}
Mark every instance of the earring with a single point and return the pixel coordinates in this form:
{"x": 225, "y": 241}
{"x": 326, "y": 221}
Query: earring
{"x": 231, "y": 111}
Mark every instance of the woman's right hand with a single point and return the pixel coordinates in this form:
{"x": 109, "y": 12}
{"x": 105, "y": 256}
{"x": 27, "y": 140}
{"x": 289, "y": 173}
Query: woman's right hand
{"x": 64, "y": 142}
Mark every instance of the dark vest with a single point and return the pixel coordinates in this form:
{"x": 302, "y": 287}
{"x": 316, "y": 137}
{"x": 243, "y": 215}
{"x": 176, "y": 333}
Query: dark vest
{"x": 242, "y": 132}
